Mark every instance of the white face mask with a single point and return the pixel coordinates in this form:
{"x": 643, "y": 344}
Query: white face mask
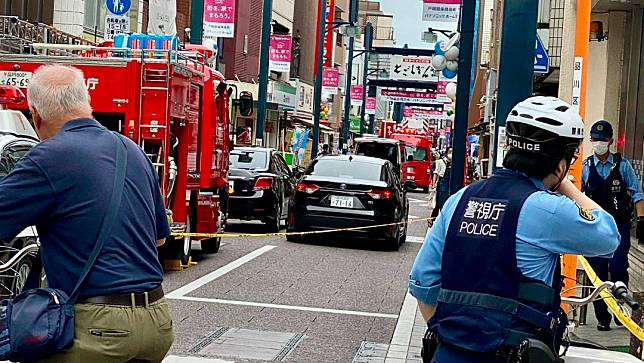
{"x": 600, "y": 147}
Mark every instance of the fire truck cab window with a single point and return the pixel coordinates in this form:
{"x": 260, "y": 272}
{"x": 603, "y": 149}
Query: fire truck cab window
{"x": 418, "y": 153}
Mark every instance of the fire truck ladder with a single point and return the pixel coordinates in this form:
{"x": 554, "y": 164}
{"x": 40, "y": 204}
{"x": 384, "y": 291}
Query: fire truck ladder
{"x": 17, "y": 36}
{"x": 155, "y": 80}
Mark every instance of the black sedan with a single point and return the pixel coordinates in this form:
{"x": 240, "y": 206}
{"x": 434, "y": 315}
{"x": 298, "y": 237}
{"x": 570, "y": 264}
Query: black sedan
{"x": 261, "y": 186}
{"x": 350, "y": 191}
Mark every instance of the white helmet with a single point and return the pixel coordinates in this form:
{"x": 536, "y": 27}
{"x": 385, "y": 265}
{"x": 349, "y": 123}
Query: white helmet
{"x": 544, "y": 125}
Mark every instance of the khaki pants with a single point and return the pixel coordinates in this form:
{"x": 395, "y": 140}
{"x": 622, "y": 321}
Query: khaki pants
{"x": 119, "y": 334}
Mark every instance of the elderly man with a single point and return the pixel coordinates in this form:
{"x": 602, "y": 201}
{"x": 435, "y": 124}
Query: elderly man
{"x": 63, "y": 187}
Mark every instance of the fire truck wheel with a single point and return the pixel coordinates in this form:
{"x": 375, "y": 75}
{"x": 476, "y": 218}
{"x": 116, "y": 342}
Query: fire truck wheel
{"x": 182, "y": 247}
{"x": 211, "y": 245}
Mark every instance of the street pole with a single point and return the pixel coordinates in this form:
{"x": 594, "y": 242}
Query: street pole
{"x": 196, "y": 22}
{"x": 516, "y": 61}
{"x": 372, "y": 118}
{"x": 468, "y": 13}
{"x": 267, "y": 13}
{"x": 347, "y": 93}
{"x": 368, "y": 37}
{"x": 317, "y": 95}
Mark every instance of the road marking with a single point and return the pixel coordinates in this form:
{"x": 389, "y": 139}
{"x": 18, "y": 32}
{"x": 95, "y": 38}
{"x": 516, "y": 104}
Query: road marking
{"x": 178, "y": 359}
{"x": 404, "y": 326}
{"x": 185, "y": 290}
{"x": 414, "y": 200}
{"x": 414, "y": 239}
{"x": 286, "y": 307}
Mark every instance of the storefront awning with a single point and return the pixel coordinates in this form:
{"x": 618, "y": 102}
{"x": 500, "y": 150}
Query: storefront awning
{"x": 306, "y": 118}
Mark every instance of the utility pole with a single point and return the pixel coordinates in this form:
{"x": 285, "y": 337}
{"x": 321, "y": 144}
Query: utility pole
{"x": 267, "y": 13}
{"x": 317, "y": 95}
{"x": 372, "y": 118}
{"x": 196, "y": 22}
{"x": 468, "y": 13}
{"x": 368, "y": 40}
{"x": 353, "y": 18}
{"x": 516, "y": 62}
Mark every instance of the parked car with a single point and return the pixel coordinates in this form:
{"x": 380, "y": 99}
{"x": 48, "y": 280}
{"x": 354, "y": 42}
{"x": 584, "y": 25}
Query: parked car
{"x": 350, "y": 191}
{"x": 17, "y": 137}
{"x": 261, "y": 186}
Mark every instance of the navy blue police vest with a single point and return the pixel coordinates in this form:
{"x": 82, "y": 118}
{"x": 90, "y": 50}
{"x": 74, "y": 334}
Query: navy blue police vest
{"x": 443, "y": 182}
{"x": 610, "y": 193}
{"x": 485, "y": 302}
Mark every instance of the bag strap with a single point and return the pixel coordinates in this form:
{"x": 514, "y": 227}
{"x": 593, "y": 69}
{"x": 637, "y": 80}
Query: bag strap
{"x": 110, "y": 216}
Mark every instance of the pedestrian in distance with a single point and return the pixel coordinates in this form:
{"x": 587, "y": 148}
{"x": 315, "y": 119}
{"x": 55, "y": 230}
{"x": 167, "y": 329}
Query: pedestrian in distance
{"x": 441, "y": 184}
{"x": 64, "y": 186}
{"x": 609, "y": 180}
{"x": 488, "y": 274}
{"x": 325, "y": 150}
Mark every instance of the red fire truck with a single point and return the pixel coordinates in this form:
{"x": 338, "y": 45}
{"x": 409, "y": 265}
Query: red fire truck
{"x": 174, "y": 106}
{"x": 417, "y": 144}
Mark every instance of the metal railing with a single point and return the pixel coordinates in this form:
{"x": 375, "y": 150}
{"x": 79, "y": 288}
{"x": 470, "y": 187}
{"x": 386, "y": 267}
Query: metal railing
{"x": 17, "y": 36}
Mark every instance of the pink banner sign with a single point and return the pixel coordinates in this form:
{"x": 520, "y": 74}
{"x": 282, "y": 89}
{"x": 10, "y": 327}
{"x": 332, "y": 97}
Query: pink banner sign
{"x": 357, "y": 93}
{"x": 219, "y": 19}
{"x": 330, "y": 80}
{"x": 440, "y": 87}
{"x": 370, "y": 107}
{"x": 279, "y": 52}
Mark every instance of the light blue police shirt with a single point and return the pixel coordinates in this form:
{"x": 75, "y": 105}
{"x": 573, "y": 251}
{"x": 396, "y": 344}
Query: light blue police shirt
{"x": 549, "y": 224}
{"x": 625, "y": 168}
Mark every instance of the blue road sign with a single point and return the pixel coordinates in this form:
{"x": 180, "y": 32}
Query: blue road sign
{"x": 541, "y": 59}
{"x": 118, "y": 7}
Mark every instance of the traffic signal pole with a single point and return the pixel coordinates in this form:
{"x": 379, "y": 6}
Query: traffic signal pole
{"x": 516, "y": 68}
{"x": 353, "y": 18}
{"x": 368, "y": 39}
{"x": 267, "y": 13}
{"x": 468, "y": 13}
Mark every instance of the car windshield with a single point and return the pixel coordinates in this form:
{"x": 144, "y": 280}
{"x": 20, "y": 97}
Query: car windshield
{"x": 379, "y": 150}
{"x": 419, "y": 153}
{"x": 345, "y": 169}
{"x": 248, "y": 159}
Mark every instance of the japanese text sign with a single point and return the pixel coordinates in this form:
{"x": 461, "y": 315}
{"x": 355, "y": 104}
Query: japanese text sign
{"x": 370, "y": 106}
{"x": 446, "y": 11}
{"x": 357, "y": 93}
{"x": 410, "y": 68}
{"x": 330, "y": 80}
{"x": 408, "y": 96}
{"x": 116, "y": 24}
{"x": 279, "y": 52}
{"x": 219, "y": 19}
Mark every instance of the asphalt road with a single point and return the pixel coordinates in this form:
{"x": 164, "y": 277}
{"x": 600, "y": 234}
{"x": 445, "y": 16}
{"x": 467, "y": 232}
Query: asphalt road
{"x": 266, "y": 299}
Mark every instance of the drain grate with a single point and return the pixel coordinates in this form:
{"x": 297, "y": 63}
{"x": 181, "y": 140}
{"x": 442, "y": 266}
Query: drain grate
{"x": 248, "y": 344}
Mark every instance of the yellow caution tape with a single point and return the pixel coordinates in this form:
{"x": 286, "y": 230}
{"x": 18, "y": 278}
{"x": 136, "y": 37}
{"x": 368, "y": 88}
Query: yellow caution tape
{"x": 237, "y": 235}
{"x": 633, "y": 327}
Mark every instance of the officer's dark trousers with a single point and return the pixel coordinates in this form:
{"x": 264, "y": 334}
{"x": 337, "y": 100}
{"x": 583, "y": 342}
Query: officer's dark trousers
{"x": 450, "y": 354}
{"x": 613, "y": 269}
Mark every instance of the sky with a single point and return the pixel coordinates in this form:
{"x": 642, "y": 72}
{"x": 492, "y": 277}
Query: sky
{"x": 408, "y": 24}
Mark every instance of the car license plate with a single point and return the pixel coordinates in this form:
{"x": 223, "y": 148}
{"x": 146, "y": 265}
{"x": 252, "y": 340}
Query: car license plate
{"x": 342, "y": 202}
{"x": 15, "y": 78}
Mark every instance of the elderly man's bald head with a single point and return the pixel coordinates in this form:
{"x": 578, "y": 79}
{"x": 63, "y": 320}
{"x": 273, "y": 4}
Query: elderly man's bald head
{"x": 57, "y": 94}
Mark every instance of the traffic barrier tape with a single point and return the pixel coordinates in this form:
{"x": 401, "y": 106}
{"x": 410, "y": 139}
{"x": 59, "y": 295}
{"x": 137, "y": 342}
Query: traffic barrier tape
{"x": 632, "y": 326}
{"x": 277, "y": 234}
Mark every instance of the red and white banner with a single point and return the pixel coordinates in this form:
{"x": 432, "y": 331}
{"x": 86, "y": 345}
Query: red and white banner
{"x": 357, "y": 92}
{"x": 370, "y": 106}
{"x": 328, "y": 6}
{"x": 330, "y": 80}
{"x": 279, "y": 52}
{"x": 409, "y": 96}
{"x": 446, "y": 11}
{"x": 218, "y": 19}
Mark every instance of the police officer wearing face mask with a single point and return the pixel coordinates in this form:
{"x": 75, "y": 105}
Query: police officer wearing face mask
{"x": 609, "y": 180}
{"x": 487, "y": 277}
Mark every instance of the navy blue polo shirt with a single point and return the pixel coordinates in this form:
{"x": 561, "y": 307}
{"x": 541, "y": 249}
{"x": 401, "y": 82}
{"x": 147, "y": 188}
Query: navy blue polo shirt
{"x": 63, "y": 187}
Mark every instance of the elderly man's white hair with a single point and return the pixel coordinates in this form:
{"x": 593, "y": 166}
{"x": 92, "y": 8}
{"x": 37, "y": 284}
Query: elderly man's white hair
{"x": 56, "y": 91}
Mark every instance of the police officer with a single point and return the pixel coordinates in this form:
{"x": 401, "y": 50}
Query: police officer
{"x": 442, "y": 175}
{"x": 487, "y": 276}
{"x": 609, "y": 180}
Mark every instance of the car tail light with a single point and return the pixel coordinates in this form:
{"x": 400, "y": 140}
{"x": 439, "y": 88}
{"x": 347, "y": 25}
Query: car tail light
{"x": 380, "y": 193}
{"x": 263, "y": 183}
{"x": 307, "y": 188}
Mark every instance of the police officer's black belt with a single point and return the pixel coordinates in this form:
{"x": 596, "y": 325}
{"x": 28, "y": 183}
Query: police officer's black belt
{"x": 133, "y": 300}
{"x": 513, "y": 307}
